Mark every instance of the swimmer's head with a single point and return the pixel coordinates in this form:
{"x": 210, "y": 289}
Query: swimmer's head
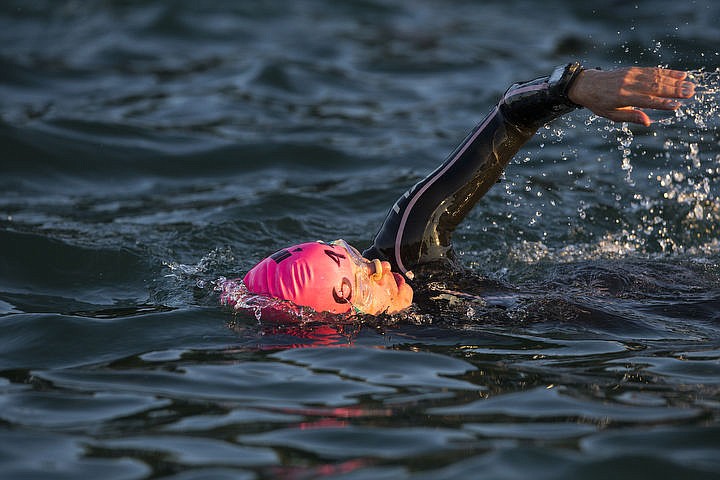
{"x": 330, "y": 277}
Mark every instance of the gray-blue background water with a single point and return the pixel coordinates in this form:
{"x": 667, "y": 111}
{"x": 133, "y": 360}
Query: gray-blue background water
{"x": 149, "y": 147}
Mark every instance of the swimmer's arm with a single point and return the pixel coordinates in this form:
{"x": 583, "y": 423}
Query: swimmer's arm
{"x": 620, "y": 95}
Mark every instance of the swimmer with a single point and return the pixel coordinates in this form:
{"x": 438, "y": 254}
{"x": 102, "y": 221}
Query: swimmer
{"x": 415, "y": 237}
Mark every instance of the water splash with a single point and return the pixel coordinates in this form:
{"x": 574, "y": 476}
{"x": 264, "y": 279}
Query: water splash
{"x": 667, "y": 203}
{"x": 176, "y": 286}
{"x": 625, "y": 139}
{"x": 691, "y": 182}
{"x": 675, "y": 206}
{"x": 234, "y": 294}
{"x": 216, "y": 258}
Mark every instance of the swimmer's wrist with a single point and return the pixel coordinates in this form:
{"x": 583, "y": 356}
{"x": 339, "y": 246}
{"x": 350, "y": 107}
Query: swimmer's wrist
{"x": 562, "y": 80}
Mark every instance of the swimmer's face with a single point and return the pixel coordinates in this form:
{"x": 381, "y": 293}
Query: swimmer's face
{"x": 390, "y": 293}
{"x": 376, "y": 289}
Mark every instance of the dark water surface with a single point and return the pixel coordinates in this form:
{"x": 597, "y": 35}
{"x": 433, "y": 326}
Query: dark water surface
{"x": 149, "y": 147}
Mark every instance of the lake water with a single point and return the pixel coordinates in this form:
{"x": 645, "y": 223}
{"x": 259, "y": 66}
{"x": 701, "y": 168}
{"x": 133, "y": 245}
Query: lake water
{"x": 148, "y": 148}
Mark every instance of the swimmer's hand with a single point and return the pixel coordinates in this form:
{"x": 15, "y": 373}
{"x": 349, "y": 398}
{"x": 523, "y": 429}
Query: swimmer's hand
{"x": 620, "y": 95}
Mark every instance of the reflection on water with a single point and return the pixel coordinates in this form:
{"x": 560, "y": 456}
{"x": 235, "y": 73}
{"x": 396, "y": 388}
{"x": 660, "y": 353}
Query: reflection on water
{"x": 477, "y": 393}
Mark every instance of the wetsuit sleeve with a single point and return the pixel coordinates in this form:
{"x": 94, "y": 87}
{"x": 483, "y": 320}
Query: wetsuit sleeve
{"x": 419, "y": 226}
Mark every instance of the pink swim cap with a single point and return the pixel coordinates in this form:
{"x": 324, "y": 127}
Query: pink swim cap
{"x": 314, "y": 274}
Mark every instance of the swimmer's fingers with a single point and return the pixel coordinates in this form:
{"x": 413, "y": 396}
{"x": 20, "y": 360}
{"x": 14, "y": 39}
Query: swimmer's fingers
{"x": 653, "y": 102}
{"x": 619, "y": 94}
{"x": 650, "y": 88}
{"x": 626, "y": 114}
{"x": 656, "y": 82}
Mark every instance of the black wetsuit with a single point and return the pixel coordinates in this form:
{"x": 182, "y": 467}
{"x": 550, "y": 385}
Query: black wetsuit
{"x": 418, "y": 228}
